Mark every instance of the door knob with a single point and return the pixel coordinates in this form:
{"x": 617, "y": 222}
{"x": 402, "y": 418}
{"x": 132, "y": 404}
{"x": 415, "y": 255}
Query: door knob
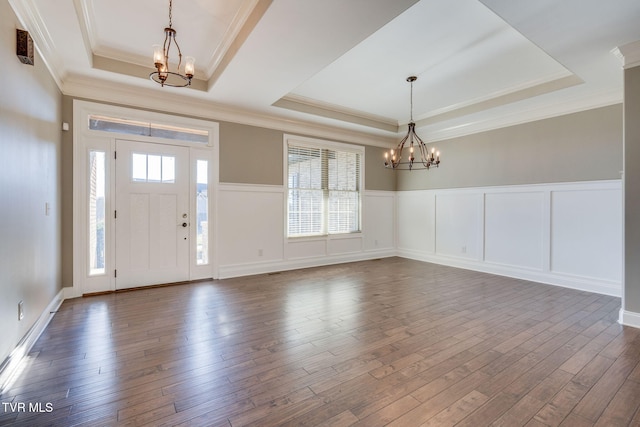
{"x": 184, "y": 224}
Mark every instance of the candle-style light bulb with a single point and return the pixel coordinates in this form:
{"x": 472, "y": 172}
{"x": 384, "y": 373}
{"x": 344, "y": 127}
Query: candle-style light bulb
{"x": 189, "y": 66}
{"x": 158, "y": 55}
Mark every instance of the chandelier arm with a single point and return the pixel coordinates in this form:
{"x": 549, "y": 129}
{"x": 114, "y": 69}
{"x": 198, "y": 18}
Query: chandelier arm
{"x": 165, "y": 48}
{"x": 424, "y": 152}
{"x": 179, "y": 52}
{"x": 399, "y": 149}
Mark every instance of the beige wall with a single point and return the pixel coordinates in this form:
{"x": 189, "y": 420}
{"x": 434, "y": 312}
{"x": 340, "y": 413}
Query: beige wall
{"x": 583, "y": 146}
{"x": 375, "y": 175}
{"x": 30, "y": 240}
{"x": 250, "y": 155}
{"x": 66, "y": 208}
{"x": 632, "y": 190}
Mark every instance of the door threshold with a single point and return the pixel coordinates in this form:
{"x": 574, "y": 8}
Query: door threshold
{"x": 139, "y": 288}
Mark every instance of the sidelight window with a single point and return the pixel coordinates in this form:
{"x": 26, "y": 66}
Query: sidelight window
{"x": 202, "y": 212}
{"x": 97, "y": 186}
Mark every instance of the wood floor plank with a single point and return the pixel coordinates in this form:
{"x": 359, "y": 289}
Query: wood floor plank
{"x": 384, "y": 342}
{"x": 623, "y": 406}
{"x": 458, "y": 410}
{"x": 599, "y": 397}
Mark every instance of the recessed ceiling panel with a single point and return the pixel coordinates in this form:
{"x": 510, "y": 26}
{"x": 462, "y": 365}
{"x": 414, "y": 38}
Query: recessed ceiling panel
{"x": 461, "y": 52}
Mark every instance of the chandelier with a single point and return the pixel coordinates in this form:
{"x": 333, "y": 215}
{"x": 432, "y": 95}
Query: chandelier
{"x": 394, "y": 158}
{"x": 162, "y": 75}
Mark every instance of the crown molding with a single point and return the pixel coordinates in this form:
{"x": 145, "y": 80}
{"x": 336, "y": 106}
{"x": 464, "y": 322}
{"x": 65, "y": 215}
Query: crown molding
{"x": 241, "y": 26}
{"x": 157, "y": 100}
{"x": 84, "y": 11}
{"x": 628, "y": 54}
{"x": 30, "y": 19}
{"x": 310, "y": 106}
{"x": 504, "y": 98}
{"x": 530, "y": 90}
{"x": 522, "y": 116}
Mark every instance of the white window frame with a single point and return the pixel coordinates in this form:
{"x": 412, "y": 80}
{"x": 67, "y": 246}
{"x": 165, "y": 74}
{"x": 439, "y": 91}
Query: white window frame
{"x": 315, "y": 143}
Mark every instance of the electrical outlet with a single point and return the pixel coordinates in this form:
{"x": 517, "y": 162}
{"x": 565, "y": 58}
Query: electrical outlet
{"x": 259, "y": 252}
{"x": 464, "y": 249}
{"x": 20, "y": 310}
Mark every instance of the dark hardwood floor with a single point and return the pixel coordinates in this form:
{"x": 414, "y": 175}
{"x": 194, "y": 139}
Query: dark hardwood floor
{"x": 388, "y": 342}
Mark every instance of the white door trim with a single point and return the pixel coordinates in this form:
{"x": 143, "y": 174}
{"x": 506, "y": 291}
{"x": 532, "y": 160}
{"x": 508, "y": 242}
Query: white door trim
{"x": 84, "y": 140}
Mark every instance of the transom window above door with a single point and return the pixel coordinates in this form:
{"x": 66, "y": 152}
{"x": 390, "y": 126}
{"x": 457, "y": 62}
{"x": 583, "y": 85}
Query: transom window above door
{"x": 147, "y": 128}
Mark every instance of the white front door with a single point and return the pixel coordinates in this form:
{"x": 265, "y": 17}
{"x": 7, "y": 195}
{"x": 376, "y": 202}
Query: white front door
{"x": 152, "y": 214}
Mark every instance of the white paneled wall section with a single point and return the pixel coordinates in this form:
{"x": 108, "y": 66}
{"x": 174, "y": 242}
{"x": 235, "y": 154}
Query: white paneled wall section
{"x": 252, "y": 238}
{"x": 567, "y": 234}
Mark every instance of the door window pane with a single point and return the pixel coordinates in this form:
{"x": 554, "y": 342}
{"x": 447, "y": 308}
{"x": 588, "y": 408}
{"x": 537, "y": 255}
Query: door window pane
{"x": 153, "y": 168}
{"x": 168, "y": 169}
{"x": 139, "y": 163}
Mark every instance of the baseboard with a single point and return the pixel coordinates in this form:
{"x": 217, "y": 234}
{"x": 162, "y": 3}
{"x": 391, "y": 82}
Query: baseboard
{"x": 12, "y": 364}
{"x": 580, "y": 283}
{"x": 629, "y": 318}
{"x": 70, "y": 292}
{"x": 248, "y": 269}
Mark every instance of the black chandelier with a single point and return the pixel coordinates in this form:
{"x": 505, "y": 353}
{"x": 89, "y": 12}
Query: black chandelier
{"x": 162, "y": 75}
{"x": 394, "y": 158}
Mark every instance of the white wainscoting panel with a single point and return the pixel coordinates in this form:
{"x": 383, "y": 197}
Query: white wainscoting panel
{"x": 251, "y": 240}
{"x": 514, "y": 229}
{"x": 378, "y": 220}
{"x": 301, "y": 248}
{"x": 566, "y": 234}
{"x": 459, "y": 224}
{"x": 416, "y": 221}
{"x": 345, "y": 245}
{"x": 586, "y": 233}
{"x": 250, "y": 224}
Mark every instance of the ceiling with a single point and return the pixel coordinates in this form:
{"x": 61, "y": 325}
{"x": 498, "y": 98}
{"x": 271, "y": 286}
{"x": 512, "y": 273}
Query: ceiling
{"x": 480, "y": 64}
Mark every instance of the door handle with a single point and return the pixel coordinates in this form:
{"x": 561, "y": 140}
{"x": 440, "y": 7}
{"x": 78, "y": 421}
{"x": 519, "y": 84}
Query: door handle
{"x": 184, "y": 224}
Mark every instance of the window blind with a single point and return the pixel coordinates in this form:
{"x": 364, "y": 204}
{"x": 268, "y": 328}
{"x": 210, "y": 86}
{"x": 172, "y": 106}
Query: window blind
{"x": 323, "y": 191}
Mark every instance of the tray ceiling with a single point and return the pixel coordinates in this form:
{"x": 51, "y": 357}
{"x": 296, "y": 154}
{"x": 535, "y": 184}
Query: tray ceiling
{"x": 480, "y": 64}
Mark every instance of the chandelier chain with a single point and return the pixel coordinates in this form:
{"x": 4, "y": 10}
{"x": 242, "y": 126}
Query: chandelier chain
{"x": 170, "y": 13}
{"x": 411, "y": 113}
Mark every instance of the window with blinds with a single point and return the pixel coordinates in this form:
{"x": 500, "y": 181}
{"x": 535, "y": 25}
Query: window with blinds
{"x": 323, "y": 190}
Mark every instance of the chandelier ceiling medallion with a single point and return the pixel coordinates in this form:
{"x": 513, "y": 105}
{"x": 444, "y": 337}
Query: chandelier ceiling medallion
{"x": 394, "y": 158}
{"x": 162, "y": 75}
